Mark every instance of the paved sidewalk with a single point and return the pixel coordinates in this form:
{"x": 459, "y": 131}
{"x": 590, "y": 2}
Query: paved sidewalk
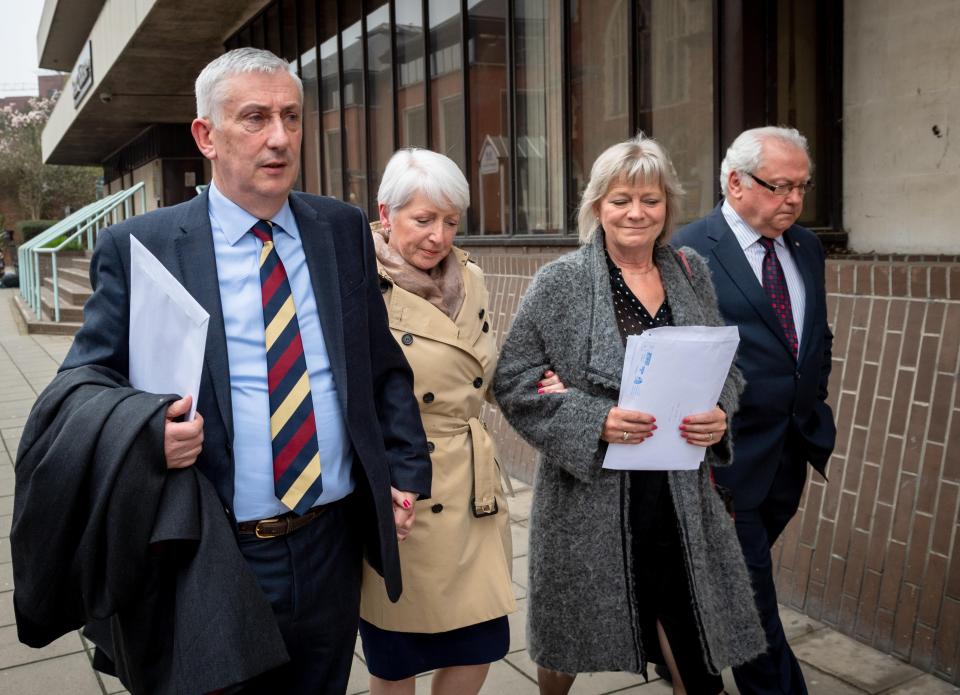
{"x": 834, "y": 664}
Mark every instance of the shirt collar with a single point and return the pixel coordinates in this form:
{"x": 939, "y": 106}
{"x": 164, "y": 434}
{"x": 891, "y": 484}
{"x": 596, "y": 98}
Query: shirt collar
{"x": 746, "y": 235}
{"x": 234, "y": 221}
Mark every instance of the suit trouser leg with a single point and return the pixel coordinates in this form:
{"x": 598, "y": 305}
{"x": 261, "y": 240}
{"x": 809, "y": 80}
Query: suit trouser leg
{"x": 312, "y": 578}
{"x": 777, "y": 671}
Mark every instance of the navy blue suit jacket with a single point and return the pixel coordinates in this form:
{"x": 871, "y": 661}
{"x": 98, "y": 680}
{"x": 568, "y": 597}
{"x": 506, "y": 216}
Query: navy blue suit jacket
{"x": 785, "y": 398}
{"x": 373, "y": 379}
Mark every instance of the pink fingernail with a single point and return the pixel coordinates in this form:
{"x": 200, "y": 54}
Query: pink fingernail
{"x": 653, "y": 428}
{"x": 539, "y": 390}
{"x": 539, "y": 383}
{"x": 406, "y": 504}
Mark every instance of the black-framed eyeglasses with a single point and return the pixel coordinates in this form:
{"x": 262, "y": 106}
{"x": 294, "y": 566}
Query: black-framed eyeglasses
{"x": 783, "y": 189}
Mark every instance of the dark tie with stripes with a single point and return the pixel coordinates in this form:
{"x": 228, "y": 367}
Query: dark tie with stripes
{"x": 775, "y": 286}
{"x": 293, "y": 429}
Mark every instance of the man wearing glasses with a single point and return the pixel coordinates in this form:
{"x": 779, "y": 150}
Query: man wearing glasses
{"x": 769, "y": 276}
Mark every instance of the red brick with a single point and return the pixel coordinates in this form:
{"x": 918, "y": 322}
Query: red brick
{"x": 950, "y": 341}
{"x": 901, "y": 401}
{"x": 865, "y": 395}
{"x": 856, "y": 560}
{"x": 919, "y": 286}
{"x": 830, "y": 278}
{"x": 945, "y": 518}
{"x": 911, "y": 334}
{"x": 938, "y": 282}
{"x": 951, "y": 461}
{"x": 848, "y": 613}
{"x": 879, "y": 536}
{"x": 940, "y": 407}
{"x": 867, "y": 608}
{"x": 821, "y": 552}
{"x": 916, "y": 431}
{"x": 922, "y": 654}
{"x": 858, "y": 443}
{"x": 861, "y": 311}
{"x": 948, "y": 637}
{"x": 955, "y": 282}
{"x": 897, "y": 315}
{"x": 918, "y": 549}
{"x": 898, "y": 280}
{"x": 845, "y": 279}
{"x": 878, "y": 425}
{"x": 863, "y": 279}
{"x": 926, "y": 368}
{"x": 933, "y": 323}
{"x": 813, "y": 606}
{"x": 833, "y": 590}
{"x": 844, "y": 418}
{"x": 869, "y": 478}
{"x": 890, "y": 470}
{"x": 929, "y": 478}
{"x": 931, "y": 592}
{"x": 892, "y": 576}
{"x": 905, "y": 620}
{"x": 841, "y": 536}
{"x": 831, "y": 495}
{"x": 876, "y": 331}
{"x": 841, "y": 325}
{"x": 889, "y": 363}
{"x": 802, "y": 574}
{"x": 903, "y": 510}
{"x": 883, "y": 632}
{"x": 808, "y": 529}
{"x": 854, "y": 360}
{"x": 881, "y": 280}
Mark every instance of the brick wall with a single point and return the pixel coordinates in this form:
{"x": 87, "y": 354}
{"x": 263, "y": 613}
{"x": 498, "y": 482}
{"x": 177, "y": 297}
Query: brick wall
{"x": 874, "y": 552}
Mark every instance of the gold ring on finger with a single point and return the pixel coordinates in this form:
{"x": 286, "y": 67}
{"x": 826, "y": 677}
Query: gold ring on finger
{"x": 626, "y": 436}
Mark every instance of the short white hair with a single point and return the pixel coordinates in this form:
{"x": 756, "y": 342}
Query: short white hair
{"x": 412, "y": 170}
{"x": 212, "y": 82}
{"x": 639, "y": 160}
{"x": 745, "y": 154}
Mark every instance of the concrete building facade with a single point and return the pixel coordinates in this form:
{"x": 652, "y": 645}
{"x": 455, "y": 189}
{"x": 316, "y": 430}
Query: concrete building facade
{"x": 523, "y": 94}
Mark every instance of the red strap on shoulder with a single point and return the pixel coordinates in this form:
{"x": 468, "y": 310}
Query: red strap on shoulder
{"x": 686, "y": 263}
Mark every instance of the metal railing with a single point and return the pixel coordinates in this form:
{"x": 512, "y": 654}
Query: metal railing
{"x": 83, "y": 226}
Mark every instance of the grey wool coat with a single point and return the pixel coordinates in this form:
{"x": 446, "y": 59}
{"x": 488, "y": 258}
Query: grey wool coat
{"x": 582, "y": 600}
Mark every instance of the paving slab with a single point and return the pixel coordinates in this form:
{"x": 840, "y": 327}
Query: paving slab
{"x": 519, "y": 569}
{"x": 520, "y": 505}
{"x": 71, "y": 673}
{"x": 518, "y": 627}
{"x": 6, "y": 577}
{"x": 852, "y": 662}
{"x": 504, "y": 678}
{"x": 586, "y": 683}
{"x": 12, "y": 653}
{"x": 924, "y": 685}
{"x": 7, "y": 616}
{"x": 520, "y": 539}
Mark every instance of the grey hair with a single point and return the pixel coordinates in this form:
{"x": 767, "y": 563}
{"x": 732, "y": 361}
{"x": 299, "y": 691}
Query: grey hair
{"x": 413, "y": 170}
{"x": 745, "y": 154}
{"x": 212, "y": 82}
{"x": 639, "y": 160}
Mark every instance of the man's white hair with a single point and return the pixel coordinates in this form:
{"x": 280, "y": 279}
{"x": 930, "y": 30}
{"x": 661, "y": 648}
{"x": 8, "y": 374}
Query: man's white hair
{"x": 212, "y": 82}
{"x": 411, "y": 171}
{"x": 745, "y": 154}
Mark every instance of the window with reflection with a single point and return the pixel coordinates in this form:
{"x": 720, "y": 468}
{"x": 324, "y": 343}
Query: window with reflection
{"x": 288, "y": 31}
{"x": 307, "y": 40}
{"x": 272, "y": 29}
{"x": 330, "y": 101}
{"x": 538, "y": 27}
{"x": 380, "y": 95}
{"x": 354, "y": 114}
{"x": 676, "y": 92}
{"x": 411, "y": 93}
{"x": 599, "y": 91}
{"x": 489, "y": 175}
{"x": 446, "y": 80}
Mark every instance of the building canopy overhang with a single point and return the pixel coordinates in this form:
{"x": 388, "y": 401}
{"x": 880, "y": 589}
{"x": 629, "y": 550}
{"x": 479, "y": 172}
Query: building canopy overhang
{"x": 144, "y": 80}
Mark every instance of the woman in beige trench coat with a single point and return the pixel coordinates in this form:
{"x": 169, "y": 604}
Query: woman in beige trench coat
{"x": 456, "y": 562}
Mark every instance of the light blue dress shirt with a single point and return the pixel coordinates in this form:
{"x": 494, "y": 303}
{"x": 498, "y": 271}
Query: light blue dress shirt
{"x": 237, "y": 254}
{"x": 749, "y": 240}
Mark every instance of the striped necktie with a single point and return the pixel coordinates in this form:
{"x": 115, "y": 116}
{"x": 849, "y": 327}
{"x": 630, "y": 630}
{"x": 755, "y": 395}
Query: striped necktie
{"x": 775, "y": 287}
{"x": 293, "y": 428}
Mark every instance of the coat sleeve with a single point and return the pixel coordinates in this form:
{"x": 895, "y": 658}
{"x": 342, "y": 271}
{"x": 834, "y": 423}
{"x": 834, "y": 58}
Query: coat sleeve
{"x": 397, "y": 412}
{"x": 564, "y": 427}
{"x": 103, "y": 337}
{"x": 722, "y": 452}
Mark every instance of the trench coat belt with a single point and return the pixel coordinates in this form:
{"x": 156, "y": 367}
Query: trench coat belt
{"x": 484, "y": 466}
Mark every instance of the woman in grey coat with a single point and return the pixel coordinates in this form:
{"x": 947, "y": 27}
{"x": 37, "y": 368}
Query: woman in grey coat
{"x": 625, "y": 567}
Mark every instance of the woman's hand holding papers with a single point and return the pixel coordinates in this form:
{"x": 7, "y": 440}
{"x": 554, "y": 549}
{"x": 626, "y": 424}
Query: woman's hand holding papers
{"x": 624, "y": 426}
{"x": 704, "y": 429}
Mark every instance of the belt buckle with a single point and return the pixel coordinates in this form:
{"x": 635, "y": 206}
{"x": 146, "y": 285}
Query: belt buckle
{"x": 264, "y": 535}
{"x": 481, "y": 510}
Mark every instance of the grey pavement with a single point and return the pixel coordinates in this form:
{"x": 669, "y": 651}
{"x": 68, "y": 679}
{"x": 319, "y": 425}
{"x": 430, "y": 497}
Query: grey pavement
{"x": 833, "y": 663}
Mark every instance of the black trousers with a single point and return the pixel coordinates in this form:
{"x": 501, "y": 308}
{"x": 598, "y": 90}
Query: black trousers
{"x": 312, "y": 578}
{"x": 777, "y": 672}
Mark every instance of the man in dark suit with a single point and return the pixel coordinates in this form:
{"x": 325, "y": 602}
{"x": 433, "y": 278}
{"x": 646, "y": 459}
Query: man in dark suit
{"x": 769, "y": 276}
{"x": 307, "y": 424}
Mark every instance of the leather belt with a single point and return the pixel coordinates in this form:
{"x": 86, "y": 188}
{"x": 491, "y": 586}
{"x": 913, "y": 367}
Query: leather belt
{"x": 277, "y": 526}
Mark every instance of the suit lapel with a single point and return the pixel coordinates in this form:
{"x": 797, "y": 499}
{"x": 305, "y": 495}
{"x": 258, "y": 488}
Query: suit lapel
{"x": 802, "y": 257}
{"x": 316, "y": 235}
{"x": 198, "y": 273}
{"x": 731, "y": 258}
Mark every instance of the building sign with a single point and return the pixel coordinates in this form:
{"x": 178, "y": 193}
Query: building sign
{"x": 489, "y": 159}
{"x": 82, "y": 76}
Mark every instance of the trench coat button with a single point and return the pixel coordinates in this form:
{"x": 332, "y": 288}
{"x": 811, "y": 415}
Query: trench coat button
{"x": 430, "y": 447}
{"x": 482, "y": 312}
{"x": 428, "y": 397}
{"x": 486, "y": 327}
{"x": 478, "y": 382}
{"x": 407, "y": 339}
{"x": 437, "y": 508}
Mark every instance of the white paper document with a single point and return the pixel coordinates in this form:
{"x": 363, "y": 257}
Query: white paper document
{"x": 671, "y": 372}
{"x": 168, "y": 329}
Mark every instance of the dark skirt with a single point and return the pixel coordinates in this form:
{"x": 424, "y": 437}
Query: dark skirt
{"x": 394, "y": 656}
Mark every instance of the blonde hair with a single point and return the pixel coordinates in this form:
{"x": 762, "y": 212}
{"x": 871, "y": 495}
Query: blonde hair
{"x": 638, "y": 160}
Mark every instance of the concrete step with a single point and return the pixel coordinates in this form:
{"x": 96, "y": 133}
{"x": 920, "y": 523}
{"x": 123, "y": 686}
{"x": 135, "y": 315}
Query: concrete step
{"x": 68, "y": 310}
{"x": 80, "y": 276}
{"x": 29, "y": 323}
{"x": 70, "y": 291}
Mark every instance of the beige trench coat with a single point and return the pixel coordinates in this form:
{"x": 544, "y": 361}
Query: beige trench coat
{"x": 456, "y": 566}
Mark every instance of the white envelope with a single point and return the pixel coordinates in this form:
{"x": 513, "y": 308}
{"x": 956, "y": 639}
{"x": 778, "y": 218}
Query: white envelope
{"x": 168, "y": 330}
{"x": 671, "y": 372}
